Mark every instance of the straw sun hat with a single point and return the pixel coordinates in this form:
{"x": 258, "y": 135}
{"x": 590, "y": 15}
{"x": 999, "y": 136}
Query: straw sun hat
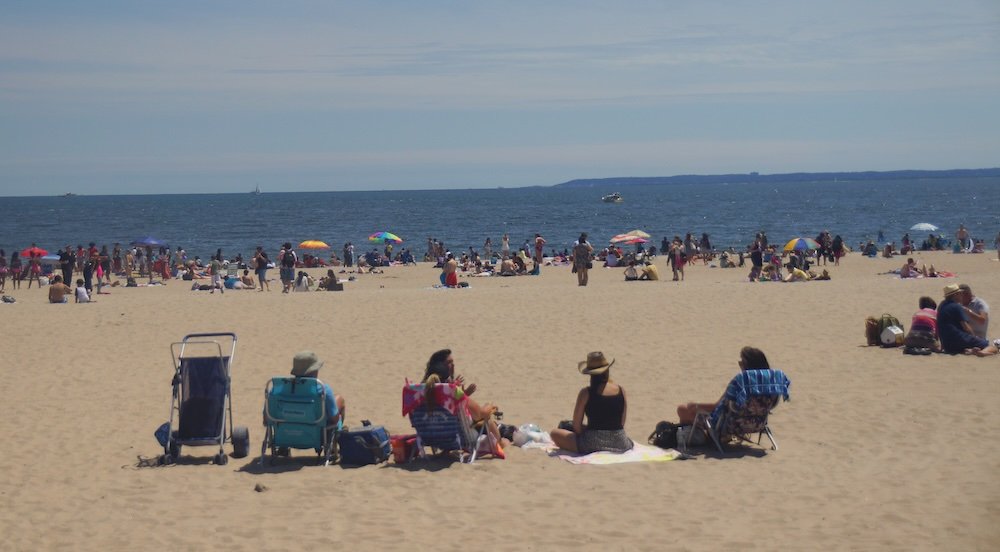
{"x": 305, "y": 363}
{"x": 595, "y": 364}
{"x": 951, "y": 289}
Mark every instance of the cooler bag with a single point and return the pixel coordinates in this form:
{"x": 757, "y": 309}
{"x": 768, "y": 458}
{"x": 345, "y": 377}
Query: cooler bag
{"x": 368, "y": 444}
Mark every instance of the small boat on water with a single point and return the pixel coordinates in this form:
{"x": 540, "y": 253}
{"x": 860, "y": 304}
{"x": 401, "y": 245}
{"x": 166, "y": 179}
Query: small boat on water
{"x": 612, "y": 198}
{"x": 256, "y": 191}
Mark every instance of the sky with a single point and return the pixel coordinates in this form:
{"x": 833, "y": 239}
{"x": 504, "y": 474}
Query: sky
{"x": 104, "y": 97}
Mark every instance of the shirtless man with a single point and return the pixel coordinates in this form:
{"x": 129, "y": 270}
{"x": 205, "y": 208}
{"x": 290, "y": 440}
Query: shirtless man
{"x": 962, "y": 237}
{"x": 450, "y": 271}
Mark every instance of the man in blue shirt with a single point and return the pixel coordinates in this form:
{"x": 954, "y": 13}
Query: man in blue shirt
{"x": 306, "y": 365}
{"x": 953, "y": 326}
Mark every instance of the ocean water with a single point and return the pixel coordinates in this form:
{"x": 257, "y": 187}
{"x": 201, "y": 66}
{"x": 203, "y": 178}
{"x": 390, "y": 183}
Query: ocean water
{"x": 730, "y": 213}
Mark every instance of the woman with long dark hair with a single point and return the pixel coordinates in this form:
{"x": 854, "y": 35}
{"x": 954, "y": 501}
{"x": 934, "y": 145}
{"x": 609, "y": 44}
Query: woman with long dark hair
{"x": 441, "y": 369}
{"x": 605, "y": 407}
{"x": 751, "y": 358}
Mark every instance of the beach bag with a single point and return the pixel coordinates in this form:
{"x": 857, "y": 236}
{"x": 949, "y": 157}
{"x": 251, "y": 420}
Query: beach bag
{"x": 887, "y": 320}
{"x": 368, "y": 444}
{"x": 871, "y": 330}
{"x": 664, "y": 435}
{"x": 891, "y": 336}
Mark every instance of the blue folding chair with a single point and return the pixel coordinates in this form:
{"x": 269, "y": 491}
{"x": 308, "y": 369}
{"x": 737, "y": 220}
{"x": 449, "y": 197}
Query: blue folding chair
{"x": 748, "y": 401}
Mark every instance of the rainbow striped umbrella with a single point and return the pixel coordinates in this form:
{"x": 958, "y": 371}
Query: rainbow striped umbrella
{"x": 382, "y": 237}
{"x": 799, "y": 244}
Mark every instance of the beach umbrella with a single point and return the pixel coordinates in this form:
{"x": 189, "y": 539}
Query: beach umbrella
{"x": 924, "y": 227}
{"x": 313, "y": 244}
{"x": 622, "y": 238}
{"x": 799, "y": 244}
{"x": 383, "y": 237}
{"x": 149, "y": 241}
{"x": 638, "y": 233}
{"x": 34, "y": 251}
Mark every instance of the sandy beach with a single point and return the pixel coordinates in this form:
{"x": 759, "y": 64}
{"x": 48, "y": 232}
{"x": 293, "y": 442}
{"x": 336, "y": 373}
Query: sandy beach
{"x": 878, "y": 450}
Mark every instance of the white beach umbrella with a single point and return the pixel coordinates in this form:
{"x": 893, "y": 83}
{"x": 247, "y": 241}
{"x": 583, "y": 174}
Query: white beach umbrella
{"x": 924, "y": 227}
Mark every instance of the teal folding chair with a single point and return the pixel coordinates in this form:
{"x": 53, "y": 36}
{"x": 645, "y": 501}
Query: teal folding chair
{"x": 295, "y": 418}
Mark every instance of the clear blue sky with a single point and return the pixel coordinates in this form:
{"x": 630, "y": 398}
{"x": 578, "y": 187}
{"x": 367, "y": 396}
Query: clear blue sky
{"x": 178, "y": 96}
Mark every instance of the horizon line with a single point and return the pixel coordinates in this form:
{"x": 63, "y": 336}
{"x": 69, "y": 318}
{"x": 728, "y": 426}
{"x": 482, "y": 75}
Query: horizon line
{"x": 752, "y": 174}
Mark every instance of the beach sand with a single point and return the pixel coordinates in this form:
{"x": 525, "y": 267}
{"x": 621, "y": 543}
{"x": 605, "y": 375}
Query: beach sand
{"x": 878, "y": 450}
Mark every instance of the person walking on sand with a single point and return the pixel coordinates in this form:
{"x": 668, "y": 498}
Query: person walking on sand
{"x": 215, "y": 269}
{"x": 488, "y": 248}
{"x": 66, "y": 263}
{"x": 505, "y": 245}
{"x": 3, "y": 271}
{"x": 34, "y": 269}
{"x": 15, "y": 270}
{"x": 677, "y": 259}
{"x": 539, "y": 246}
{"x": 287, "y": 259}
{"x": 581, "y": 259}
{"x": 260, "y": 262}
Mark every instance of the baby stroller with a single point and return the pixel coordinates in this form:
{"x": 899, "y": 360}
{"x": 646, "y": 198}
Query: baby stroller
{"x": 202, "y": 398}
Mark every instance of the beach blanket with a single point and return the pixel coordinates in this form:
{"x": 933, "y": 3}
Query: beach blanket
{"x": 639, "y": 453}
{"x": 941, "y": 274}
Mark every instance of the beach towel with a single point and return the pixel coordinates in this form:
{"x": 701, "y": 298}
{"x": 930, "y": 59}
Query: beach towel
{"x": 639, "y": 453}
{"x": 753, "y": 383}
{"x": 447, "y": 395}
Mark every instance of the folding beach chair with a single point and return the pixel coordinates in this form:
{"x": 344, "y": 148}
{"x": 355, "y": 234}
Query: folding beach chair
{"x": 749, "y": 399}
{"x": 232, "y": 270}
{"x": 202, "y": 400}
{"x": 295, "y": 416}
{"x": 447, "y": 425}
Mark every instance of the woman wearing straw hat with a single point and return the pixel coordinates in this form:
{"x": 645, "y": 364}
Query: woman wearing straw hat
{"x": 605, "y": 406}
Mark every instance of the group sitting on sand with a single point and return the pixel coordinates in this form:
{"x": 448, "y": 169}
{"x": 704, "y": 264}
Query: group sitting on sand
{"x": 599, "y": 413}
{"x": 958, "y": 325}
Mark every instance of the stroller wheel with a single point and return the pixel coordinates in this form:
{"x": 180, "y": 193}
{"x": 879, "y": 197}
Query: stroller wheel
{"x": 221, "y": 459}
{"x": 175, "y": 450}
{"x": 166, "y": 460}
{"x": 241, "y": 442}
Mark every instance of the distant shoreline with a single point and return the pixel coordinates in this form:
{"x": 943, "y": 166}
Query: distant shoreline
{"x": 783, "y": 177}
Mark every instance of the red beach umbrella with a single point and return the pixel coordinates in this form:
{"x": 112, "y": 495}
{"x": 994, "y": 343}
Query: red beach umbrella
{"x": 34, "y": 251}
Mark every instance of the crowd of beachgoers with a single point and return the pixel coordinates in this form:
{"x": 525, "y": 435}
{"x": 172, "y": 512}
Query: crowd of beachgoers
{"x": 800, "y": 260}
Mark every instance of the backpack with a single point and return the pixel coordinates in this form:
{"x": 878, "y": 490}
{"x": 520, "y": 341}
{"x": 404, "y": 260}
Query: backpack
{"x": 882, "y": 337}
{"x": 664, "y": 436}
{"x": 887, "y": 320}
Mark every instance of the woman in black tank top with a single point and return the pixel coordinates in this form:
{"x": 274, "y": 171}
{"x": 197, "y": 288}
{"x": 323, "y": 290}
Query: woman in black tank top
{"x": 604, "y": 405}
